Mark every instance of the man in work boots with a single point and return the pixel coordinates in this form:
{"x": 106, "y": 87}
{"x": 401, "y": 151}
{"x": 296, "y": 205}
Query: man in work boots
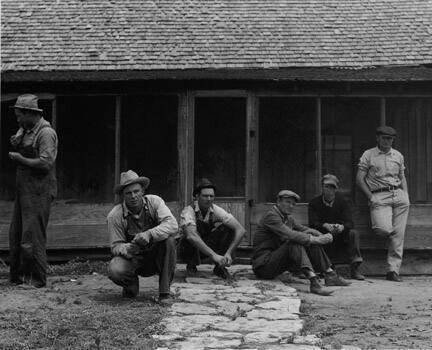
{"x": 331, "y": 213}
{"x": 208, "y": 231}
{"x": 381, "y": 177}
{"x": 281, "y": 244}
{"x": 141, "y": 230}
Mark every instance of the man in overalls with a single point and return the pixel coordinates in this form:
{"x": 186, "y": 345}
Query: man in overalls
{"x": 36, "y": 151}
{"x": 142, "y": 231}
{"x": 208, "y": 231}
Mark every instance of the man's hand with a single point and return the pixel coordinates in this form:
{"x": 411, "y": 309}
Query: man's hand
{"x": 129, "y": 250}
{"x": 228, "y": 259}
{"x": 328, "y": 227}
{"x": 321, "y": 240}
{"x": 15, "y": 156}
{"x": 14, "y": 140}
{"x": 142, "y": 239}
{"x": 313, "y": 232}
{"x": 339, "y": 228}
{"x": 219, "y": 260}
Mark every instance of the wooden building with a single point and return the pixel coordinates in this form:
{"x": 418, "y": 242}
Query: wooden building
{"x": 255, "y": 95}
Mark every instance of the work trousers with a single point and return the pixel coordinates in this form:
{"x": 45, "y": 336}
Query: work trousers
{"x": 347, "y": 242}
{"x": 159, "y": 258}
{"x": 218, "y": 239}
{"x": 293, "y": 257}
{"x": 27, "y": 238}
{"x": 389, "y": 214}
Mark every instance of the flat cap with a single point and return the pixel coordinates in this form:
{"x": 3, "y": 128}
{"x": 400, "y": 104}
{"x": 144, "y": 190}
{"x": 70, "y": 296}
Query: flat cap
{"x": 330, "y": 179}
{"x": 386, "y": 130}
{"x": 288, "y": 194}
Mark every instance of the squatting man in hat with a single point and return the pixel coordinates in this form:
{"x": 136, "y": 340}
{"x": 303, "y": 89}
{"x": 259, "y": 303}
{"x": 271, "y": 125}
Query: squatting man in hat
{"x": 330, "y": 212}
{"x": 35, "y": 152}
{"x": 281, "y": 244}
{"x": 381, "y": 177}
{"x": 141, "y": 230}
{"x": 208, "y": 231}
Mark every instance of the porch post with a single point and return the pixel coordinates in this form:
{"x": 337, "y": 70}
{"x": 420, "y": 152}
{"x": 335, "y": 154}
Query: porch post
{"x": 319, "y": 143}
{"x": 117, "y": 142}
{"x": 383, "y": 111}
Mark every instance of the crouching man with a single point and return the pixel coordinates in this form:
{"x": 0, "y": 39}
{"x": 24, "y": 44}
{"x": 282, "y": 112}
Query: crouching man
{"x": 281, "y": 244}
{"x": 208, "y": 231}
{"x": 142, "y": 230}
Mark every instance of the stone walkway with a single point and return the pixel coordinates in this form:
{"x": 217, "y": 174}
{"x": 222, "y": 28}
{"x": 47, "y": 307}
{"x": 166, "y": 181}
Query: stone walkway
{"x": 210, "y": 313}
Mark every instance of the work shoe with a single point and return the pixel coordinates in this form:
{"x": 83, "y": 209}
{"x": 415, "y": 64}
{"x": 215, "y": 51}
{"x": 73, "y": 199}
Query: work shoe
{"x": 333, "y": 279}
{"x": 393, "y": 276}
{"x": 222, "y": 272}
{"x": 191, "y": 270}
{"x": 130, "y": 291}
{"x": 355, "y": 273}
{"x": 316, "y": 288}
{"x": 166, "y": 299}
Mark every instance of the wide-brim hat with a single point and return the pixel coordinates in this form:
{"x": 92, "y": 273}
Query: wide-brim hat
{"x": 330, "y": 179}
{"x": 130, "y": 177}
{"x": 203, "y": 183}
{"x": 27, "y": 102}
{"x": 288, "y": 194}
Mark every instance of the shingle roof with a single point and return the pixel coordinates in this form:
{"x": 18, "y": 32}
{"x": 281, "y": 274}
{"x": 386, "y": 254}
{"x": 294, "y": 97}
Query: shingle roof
{"x": 108, "y": 35}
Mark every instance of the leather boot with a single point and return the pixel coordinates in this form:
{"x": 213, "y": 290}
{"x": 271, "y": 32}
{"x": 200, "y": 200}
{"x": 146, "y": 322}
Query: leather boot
{"x": 316, "y": 288}
{"x": 333, "y": 279}
{"x": 131, "y": 291}
{"x": 355, "y": 273}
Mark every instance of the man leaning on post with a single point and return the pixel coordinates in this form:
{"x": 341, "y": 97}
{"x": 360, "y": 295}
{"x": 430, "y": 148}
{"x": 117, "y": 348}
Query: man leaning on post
{"x": 281, "y": 244}
{"x": 381, "y": 177}
{"x": 141, "y": 230}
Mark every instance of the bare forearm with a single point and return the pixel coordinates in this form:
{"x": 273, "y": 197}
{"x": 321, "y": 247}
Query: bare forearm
{"x": 239, "y": 233}
{"x": 198, "y": 243}
{"x": 363, "y": 185}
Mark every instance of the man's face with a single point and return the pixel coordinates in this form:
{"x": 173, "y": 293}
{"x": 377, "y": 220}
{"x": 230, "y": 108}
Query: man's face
{"x": 24, "y": 118}
{"x": 206, "y": 198}
{"x": 132, "y": 195}
{"x": 385, "y": 142}
{"x": 286, "y": 204}
{"x": 328, "y": 191}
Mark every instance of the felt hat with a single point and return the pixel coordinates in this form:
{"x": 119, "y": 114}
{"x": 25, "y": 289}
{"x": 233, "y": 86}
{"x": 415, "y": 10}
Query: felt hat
{"x": 28, "y": 102}
{"x": 130, "y": 177}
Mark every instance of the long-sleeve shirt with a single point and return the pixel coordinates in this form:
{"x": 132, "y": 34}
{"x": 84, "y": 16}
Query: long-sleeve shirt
{"x": 117, "y": 223}
{"x": 273, "y": 230}
{"x": 338, "y": 213}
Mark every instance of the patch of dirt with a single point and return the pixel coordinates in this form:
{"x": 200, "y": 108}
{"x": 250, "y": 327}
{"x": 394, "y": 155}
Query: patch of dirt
{"x": 78, "y": 311}
{"x": 371, "y": 314}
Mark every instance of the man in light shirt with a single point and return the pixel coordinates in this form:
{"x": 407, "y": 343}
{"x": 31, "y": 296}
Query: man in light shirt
{"x": 208, "y": 231}
{"x": 141, "y": 230}
{"x": 381, "y": 176}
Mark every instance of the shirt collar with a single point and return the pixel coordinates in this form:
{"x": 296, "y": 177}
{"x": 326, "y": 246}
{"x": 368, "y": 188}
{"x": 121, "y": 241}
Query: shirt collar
{"x": 36, "y": 127}
{"x": 197, "y": 209}
{"x": 282, "y": 215}
{"x": 127, "y": 212}
{"x": 390, "y": 152}
{"x": 328, "y": 204}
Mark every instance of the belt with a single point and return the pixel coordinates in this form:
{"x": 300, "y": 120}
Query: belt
{"x": 386, "y": 189}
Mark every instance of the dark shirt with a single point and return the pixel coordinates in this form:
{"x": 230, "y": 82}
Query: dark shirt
{"x": 338, "y": 213}
{"x": 273, "y": 230}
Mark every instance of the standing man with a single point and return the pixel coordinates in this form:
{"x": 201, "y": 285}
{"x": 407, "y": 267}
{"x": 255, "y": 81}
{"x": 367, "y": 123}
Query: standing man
{"x": 36, "y": 186}
{"x": 209, "y": 231}
{"x": 381, "y": 176}
{"x": 281, "y": 244}
{"x": 331, "y": 213}
{"x": 141, "y": 230}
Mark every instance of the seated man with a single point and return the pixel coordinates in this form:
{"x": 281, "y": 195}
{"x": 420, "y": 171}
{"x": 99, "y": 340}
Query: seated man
{"x": 331, "y": 213}
{"x": 281, "y": 244}
{"x": 142, "y": 231}
{"x": 208, "y": 231}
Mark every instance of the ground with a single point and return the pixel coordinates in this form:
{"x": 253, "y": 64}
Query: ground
{"x": 372, "y": 314}
{"x": 82, "y": 309}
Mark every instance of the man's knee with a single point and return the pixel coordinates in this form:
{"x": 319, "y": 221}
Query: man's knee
{"x": 353, "y": 235}
{"x": 381, "y": 232}
{"x": 118, "y": 268}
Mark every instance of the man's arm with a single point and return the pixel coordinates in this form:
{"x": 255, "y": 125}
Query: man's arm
{"x": 239, "y": 232}
{"x": 360, "y": 180}
{"x": 274, "y": 223}
{"x": 314, "y": 220}
{"x": 193, "y": 237}
{"x": 118, "y": 243}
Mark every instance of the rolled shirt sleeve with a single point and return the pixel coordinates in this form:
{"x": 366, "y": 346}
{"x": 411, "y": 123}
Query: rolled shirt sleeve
{"x": 187, "y": 217}
{"x": 221, "y": 215}
{"x": 116, "y": 231}
{"x": 167, "y": 224}
{"x": 47, "y": 146}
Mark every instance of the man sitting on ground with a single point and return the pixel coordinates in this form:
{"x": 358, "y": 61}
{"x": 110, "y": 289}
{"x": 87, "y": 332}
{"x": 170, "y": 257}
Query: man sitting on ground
{"x": 142, "y": 230}
{"x": 281, "y": 244}
{"x": 208, "y": 231}
{"x": 331, "y": 213}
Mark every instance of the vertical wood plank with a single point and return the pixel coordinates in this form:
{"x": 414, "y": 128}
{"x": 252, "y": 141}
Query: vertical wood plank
{"x": 428, "y": 123}
{"x": 252, "y": 158}
{"x": 420, "y": 151}
{"x": 117, "y": 141}
{"x": 54, "y": 112}
{"x": 319, "y": 143}
{"x": 382, "y": 111}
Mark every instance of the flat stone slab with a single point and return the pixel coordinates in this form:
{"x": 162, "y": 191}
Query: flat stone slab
{"x": 272, "y": 314}
{"x": 292, "y": 305}
{"x": 192, "y": 309}
{"x": 201, "y": 343}
{"x": 309, "y": 339}
{"x": 207, "y": 287}
{"x": 193, "y": 296}
{"x": 190, "y": 324}
{"x": 245, "y": 325}
{"x": 231, "y": 309}
{"x": 262, "y": 338}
